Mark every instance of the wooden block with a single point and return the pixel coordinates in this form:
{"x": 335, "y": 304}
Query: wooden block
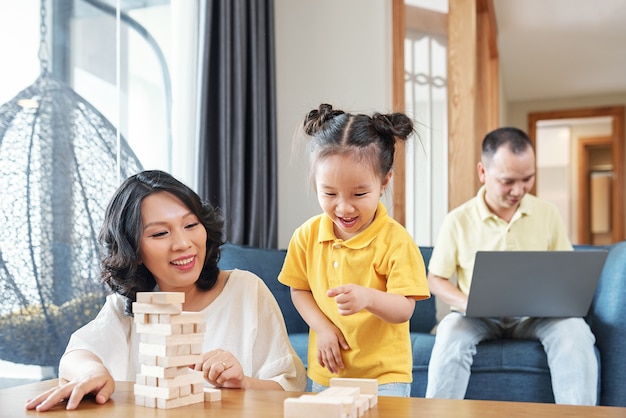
{"x": 195, "y": 348}
{"x": 150, "y": 401}
{"x": 159, "y": 329}
{"x": 144, "y": 297}
{"x": 160, "y": 297}
{"x": 172, "y": 339}
{"x": 140, "y": 379}
{"x": 349, "y": 405}
{"x": 353, "y": 393}
{"x": 140, "y": 400}
{"x": 168, "y": 297}
{"x": 197, "y": 387}
{"x": 156, "y": 392}
{"x": 160, "y": 372}
{"x": 183, "y": 350}
{"x": 175, "y": 403}
{"x": 371, "y": 399}
{"x": 151, "y": 380}
{"x": 146, "y": 380}
{"x": 212, "y": 395}
{"x": 190, "y": 377}
{"x": 367, "y": 386}
{"x": 171, "y": 350}
{"x": 176, "y": 361}
{"x": 159, "y": 349}
{"x": 184, "y": 390}
{"x": 188, "y": 328}
{"x": 141, "y": 318}
{"x": 149, "y": 308}
{"x": 362, "y": 405}
{"x": 148, "y": 359}
{"x": 184, "y": 317}
{"x": 147, "y": 401}
{"x": 313, "y": 407}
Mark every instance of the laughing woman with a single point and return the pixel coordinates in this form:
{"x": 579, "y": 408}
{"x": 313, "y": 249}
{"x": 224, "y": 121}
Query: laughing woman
{"x": 158, "y": 235}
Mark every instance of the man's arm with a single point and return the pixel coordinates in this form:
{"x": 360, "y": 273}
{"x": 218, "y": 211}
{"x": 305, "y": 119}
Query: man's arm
{"x": 447, "y": 292}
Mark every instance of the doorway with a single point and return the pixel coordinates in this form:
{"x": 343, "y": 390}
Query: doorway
{"x": 595, "y": 177}
{"x": 609, "y": 190}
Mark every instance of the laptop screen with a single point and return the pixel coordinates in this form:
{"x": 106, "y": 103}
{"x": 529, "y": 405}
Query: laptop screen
{"x": 534, "y": 283}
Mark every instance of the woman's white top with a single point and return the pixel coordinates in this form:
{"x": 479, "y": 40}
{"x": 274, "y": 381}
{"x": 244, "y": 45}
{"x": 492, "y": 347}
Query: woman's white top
{"x": 244, "y": 319}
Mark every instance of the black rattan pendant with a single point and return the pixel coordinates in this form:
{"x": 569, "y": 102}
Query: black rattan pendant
{"x": 60, "y": 162}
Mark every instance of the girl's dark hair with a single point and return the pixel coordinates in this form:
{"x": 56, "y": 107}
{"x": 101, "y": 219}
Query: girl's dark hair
{"x": 515, "y": 139}
{"x": 373, "y": 138}
{"x": 122, "y": 228}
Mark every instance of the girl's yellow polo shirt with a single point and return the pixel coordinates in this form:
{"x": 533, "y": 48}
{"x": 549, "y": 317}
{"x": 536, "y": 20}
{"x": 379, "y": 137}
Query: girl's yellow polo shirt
{"x": 383, "y": 257}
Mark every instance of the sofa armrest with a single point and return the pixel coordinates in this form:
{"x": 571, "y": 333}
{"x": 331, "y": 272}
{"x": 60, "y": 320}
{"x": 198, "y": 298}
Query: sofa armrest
{"x": 607, "y": 318}
{"x": 424, "y": 316}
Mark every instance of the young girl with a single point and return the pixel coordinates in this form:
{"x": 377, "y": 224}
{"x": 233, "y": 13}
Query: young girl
{"x": 355, "y": 272}
{"x": 159, "y": 235}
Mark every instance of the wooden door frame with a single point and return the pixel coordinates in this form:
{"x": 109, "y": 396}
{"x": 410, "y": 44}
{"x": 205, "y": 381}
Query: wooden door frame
{"x": 584, "y": 187}
{"x": 618, "y": 139}
{"x": 473, "y": 83}
{"x": 399, "y": 171}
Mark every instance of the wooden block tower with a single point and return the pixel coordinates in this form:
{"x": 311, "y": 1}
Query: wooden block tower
{"x": 170, "y": 341}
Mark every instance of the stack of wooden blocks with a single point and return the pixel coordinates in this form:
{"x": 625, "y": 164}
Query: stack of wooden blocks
{"x": 170, "y": 342}
{"x": 345, "y": 398}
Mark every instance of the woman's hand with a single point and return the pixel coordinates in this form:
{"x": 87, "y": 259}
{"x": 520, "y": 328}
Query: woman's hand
{"x": 96, "y": 381}
{"x": 221, "y": 369}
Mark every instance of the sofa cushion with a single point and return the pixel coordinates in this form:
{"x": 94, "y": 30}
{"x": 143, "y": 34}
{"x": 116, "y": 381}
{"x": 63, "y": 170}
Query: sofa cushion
{"x": 502, "y": 370}
{"x": 300, "y": 343}
{"x": 265, "y": 263}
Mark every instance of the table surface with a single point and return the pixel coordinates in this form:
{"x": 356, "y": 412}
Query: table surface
{"x": 263, "y": 403}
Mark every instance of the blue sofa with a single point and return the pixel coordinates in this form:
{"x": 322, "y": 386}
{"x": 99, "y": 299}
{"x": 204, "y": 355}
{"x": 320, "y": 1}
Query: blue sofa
{"x": 508, "y": 370}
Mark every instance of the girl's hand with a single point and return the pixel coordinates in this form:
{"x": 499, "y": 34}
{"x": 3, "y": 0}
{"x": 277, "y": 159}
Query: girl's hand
{"x": 96, "y": 381}
{"x": 350, "y": 298}
{"x": 222, "y": 370}
{"x": 330, "y": 342}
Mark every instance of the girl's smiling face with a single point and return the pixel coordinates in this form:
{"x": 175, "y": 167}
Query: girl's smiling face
{"x": 348, "y": 191}
{"x": 173, "y": 242}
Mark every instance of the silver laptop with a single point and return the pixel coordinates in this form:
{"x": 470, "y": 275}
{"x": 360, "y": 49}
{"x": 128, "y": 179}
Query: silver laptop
{"x": 534, "y": 283}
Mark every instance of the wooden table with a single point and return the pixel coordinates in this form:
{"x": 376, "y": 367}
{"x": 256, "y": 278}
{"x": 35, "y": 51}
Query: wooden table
{"x": 260, "y": 403}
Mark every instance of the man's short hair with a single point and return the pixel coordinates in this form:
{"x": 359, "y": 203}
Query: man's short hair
{"x": 516, "y": 139}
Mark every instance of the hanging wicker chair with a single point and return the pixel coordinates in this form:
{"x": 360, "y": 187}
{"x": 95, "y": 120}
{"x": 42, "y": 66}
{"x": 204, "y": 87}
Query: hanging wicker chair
{"x": 58, "y": 170}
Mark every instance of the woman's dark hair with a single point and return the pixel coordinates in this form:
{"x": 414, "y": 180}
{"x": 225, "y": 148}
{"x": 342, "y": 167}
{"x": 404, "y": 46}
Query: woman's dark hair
{"x": 122, "y": 228}
{"x": 372, "y": 138}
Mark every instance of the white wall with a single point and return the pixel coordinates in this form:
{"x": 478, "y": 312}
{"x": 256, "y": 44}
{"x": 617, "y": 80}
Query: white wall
{"x": 333, "y": 51}
{"x": 554, "y": 162}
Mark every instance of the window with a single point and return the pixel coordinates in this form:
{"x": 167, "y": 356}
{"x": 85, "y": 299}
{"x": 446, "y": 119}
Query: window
{"x": 426, "y": 102}
{"x": 138, "y": 67}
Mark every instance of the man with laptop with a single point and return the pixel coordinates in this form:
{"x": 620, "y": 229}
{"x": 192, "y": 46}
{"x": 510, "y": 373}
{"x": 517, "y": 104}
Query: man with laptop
{"x": 503, "y": 217}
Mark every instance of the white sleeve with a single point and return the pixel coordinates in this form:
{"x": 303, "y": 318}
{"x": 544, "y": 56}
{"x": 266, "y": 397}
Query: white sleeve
{"x": 108, "y": 337}
{"x": 279, "y": 360}
{"x": 246, "y": 321}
